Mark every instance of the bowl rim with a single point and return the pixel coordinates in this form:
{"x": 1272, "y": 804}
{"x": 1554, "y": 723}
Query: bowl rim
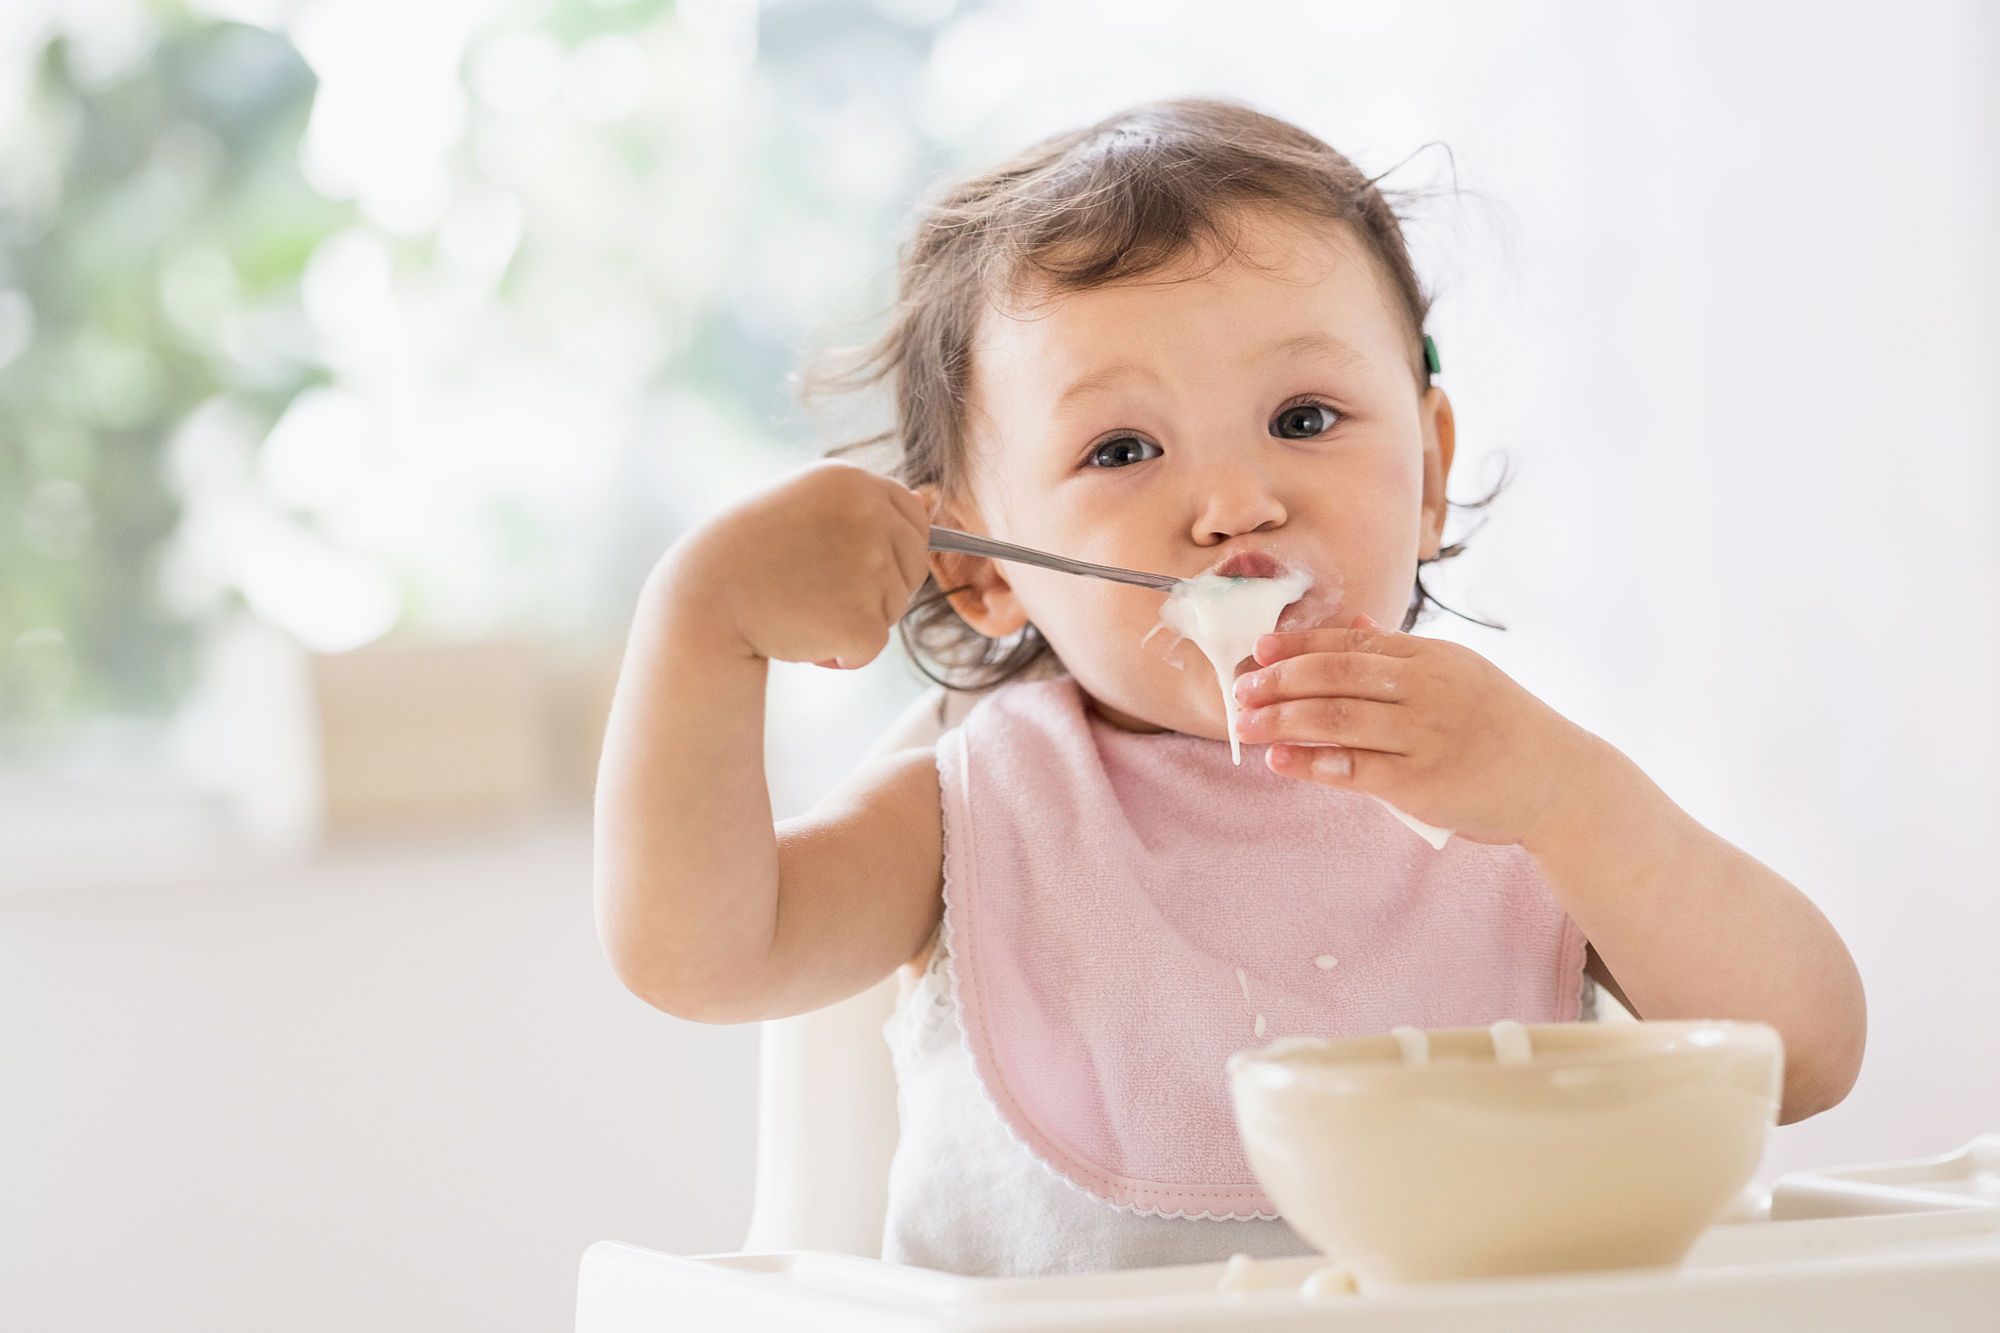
{"x": 1363, "y": 1055}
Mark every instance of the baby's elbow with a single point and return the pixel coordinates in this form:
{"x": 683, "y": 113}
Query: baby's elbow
{"x": 636, "y": 960}
{"x": 651, "y": 971}
{"x": 636, "y": 970}
{"x": 708, "y": 1009}
{"x": 1803, "y": 1101}
{"x": 673, "y": 995}
{"x": 1823, "y": 1081}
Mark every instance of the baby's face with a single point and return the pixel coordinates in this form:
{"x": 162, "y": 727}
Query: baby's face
{"x": 1167, "y": 424}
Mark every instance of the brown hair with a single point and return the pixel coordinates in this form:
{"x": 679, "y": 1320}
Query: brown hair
{"x": 1114, "y": 201}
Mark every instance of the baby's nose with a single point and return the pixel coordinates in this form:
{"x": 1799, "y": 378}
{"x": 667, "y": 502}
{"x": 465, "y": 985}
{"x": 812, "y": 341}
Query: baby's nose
{"x": 1234, "y": 491}
{"x": 1227, "y": 518}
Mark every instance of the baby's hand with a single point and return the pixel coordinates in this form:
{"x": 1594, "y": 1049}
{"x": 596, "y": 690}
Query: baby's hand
{"x": 1427, "y": 725}
{"x": 818, "y": 568}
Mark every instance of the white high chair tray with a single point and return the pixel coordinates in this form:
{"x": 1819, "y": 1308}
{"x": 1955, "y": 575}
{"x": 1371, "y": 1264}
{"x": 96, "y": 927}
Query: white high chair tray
{"x": 1906, "y": 1245}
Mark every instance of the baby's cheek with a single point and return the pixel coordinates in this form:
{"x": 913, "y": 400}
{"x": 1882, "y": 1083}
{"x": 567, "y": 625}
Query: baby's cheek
{"x": 1123, "y": 653}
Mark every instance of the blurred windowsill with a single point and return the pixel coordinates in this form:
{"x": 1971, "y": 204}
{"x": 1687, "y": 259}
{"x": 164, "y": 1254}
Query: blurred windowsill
{"x": 143, "y": 833}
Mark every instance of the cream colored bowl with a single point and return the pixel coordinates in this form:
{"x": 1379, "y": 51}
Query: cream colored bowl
{"x": 1615, "y": 1145}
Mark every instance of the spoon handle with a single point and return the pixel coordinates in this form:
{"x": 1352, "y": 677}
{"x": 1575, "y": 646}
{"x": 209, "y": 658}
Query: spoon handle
{"x": 967, "y": 543}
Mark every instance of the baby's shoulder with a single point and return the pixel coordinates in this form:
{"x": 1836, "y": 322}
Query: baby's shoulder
{"x": 887, "y": 794}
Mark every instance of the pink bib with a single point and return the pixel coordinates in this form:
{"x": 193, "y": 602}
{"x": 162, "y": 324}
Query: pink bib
{"x": 1121, "y": 907}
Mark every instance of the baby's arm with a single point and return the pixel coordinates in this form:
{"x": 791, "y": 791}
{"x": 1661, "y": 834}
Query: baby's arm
{"x": 1681, "y": 924}
{"x": 1691, "y": 926}
{"x": 706, "y": 909}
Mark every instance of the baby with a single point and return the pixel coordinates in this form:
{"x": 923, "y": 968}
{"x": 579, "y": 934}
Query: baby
{"x": 1186, "y": 340}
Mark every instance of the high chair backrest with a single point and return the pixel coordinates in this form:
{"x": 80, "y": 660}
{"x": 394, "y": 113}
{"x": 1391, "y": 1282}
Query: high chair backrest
{"x": 826, "y": 1128}
{"x": 826, "y": 1099}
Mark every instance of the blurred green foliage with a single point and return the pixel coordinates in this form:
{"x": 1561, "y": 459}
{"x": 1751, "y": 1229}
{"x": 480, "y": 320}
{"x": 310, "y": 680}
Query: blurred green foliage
{"x": 451, "y": 331}
{"x": 144, "y": 225}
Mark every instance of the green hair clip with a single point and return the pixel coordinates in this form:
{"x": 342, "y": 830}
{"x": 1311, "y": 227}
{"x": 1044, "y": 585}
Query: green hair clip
{"x": 1431, "y": 355}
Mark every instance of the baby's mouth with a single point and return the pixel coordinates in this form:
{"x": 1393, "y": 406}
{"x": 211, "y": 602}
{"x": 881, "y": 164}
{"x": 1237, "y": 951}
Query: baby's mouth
{"x": 1249, "y": 565}
{"x": 1252, "y": 564}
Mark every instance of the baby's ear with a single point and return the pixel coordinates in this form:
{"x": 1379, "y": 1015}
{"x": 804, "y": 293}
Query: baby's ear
{"x": 977, "y": 589}
{"x": 1440, "y": 437}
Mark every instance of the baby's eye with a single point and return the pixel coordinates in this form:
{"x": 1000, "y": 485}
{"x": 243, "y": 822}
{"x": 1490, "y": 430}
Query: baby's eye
{"x": 1302, "y": 421}
{"x": 1119, "y": 452}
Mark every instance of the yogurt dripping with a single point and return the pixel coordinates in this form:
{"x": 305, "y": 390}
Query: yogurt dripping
{"x": 1415, "y": 1044}
{"x": 1225, "y": 615}
{"x": 1510, "y": 1043}
{"x": 1237, "y": 1273}
{"x": 1242, "y": 1274}
{"x": 1334, "y": 1279}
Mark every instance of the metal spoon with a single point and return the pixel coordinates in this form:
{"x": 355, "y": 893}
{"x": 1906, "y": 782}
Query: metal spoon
{"x": 967, "y": 543}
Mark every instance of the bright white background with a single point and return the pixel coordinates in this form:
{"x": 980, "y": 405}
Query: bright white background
{"x": 1727, "y": 296}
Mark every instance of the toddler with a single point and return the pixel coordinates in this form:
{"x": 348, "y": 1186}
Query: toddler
{"x": 1186, "y": 340}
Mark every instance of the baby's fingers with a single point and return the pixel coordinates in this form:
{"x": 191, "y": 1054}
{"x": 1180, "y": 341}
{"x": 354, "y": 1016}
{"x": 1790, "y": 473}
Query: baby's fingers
{"x": 911, "y": 504}
{"x": 1363, "y": 636}
{"x": 912, "y": 544}
{"x": 1361, "y": 723}
{"x": 1358, "y": 675}
{"x": 1328, "y": 765}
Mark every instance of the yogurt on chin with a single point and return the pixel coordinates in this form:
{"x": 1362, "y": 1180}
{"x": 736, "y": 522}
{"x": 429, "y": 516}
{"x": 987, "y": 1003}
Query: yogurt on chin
{"x": 1225, "y": 616}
